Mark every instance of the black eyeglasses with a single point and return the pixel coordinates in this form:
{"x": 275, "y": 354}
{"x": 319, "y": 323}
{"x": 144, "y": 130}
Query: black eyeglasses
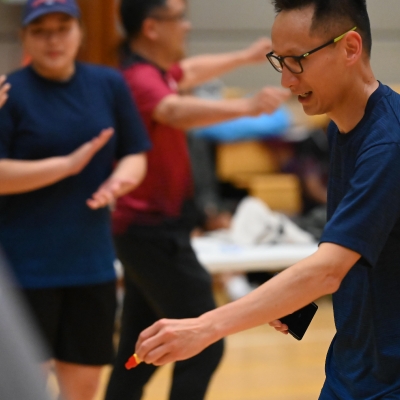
{"x": 177, "y": 17}
{"x": 293, "y": 63}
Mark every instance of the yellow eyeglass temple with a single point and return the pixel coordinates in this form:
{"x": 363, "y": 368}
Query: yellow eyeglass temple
{"x": 341, "y": 36}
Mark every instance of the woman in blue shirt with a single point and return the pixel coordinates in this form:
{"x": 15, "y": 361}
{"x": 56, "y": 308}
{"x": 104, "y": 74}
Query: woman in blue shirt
{"x": 71, "y": 142}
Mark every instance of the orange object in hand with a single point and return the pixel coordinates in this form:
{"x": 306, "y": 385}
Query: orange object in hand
{"x": 133, "y": 362}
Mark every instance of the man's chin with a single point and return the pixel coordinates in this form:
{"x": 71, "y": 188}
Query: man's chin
{"x": 311, "y": 112}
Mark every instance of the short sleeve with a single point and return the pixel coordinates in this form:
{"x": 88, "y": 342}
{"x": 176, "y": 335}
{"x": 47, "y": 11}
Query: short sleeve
{"x": 132, "y": 134}
{"x": 148, "y": 87}
{"x": 176, "y": 72}
{"x": 370, "y": 208}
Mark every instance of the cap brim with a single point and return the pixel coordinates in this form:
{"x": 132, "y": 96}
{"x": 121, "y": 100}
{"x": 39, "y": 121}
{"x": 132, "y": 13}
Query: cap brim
{"x": 44, "y": 11}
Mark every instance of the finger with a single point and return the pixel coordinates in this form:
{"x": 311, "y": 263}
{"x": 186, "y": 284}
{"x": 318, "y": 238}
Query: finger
{"x": 152, "y": 338}
{"x": 282, "y": 328}
{"x": 108, "y": 132}
{"x": 3, "y": 92}
{"x": 100, "y": 199}
{"x": 148, "y": 333}
{"x": 148, "y": 350}
{"x": 95, "y": 204}
{"x": 115, "y": 187}
{"x": 105, "y": 135}
{"x": 166, "y": 359}
{"x": 3, "y": 99}
{"x": 157, "y": 355}
{"x": 5, "y": 88}
{"x": 275, "y": 323}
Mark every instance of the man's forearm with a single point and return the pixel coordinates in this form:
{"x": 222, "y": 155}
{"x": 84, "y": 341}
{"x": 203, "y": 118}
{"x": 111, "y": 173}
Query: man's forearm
{"x": 287, "y": 292}
{"x": 200, "y": 69}
{"x": 186, "y": 112}
{"x": 317, "y": 275}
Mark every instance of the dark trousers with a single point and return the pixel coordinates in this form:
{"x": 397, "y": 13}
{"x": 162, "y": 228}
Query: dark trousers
{"x": 163, "y": 280}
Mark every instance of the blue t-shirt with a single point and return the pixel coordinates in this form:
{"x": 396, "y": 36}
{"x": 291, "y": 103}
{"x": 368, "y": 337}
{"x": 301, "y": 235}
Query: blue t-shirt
{"x": 50, "y": 236}
{"x": 363, "y": 361}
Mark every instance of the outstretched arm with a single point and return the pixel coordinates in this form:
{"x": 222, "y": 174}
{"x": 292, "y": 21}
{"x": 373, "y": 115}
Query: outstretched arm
{"x": 320, "y": 274}
{"x": 4, "y": 88}
{"x": 19, "y": 176}
{"x": 202, "y": 68}
{"x": 128, "y": 174}
{"x": 186, "y": 112}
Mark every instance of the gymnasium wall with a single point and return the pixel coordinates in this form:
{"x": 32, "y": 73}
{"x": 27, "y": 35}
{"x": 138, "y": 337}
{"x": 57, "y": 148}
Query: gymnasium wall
{"x": 223, "y": 25}
{"x": 220, "y": 25}
{"x": 10, "y": 51}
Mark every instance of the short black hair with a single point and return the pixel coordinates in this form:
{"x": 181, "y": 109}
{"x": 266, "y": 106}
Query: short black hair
{"x": 332, "y": 13}
{"x": 134, "y": 12}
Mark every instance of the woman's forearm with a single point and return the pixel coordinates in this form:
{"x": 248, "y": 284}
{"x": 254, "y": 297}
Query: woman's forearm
{"x": 19, "y": 176}
{"x": 132, "y": 170}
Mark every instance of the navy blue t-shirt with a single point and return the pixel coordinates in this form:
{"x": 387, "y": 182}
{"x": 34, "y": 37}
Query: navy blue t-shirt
{"x": 363, "y": 361}
{"x": 50, "y": 236}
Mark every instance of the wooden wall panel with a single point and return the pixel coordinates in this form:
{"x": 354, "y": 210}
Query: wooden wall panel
{"x": 101, "y": 41}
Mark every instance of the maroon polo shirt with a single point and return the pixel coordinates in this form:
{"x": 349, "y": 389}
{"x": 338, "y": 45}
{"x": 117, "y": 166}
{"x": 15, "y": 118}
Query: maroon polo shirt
{"x": 168, "y": 182}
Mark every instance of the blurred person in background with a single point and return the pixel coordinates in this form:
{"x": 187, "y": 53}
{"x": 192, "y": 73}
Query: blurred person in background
{"x": 152, "y": 224}
{"x": 21, "y": 346}
{"x": 63, "y": 129}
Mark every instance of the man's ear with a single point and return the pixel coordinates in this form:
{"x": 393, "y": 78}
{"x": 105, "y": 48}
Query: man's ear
{"x": 353, "y": 47}
{"x": 149, "y": 29}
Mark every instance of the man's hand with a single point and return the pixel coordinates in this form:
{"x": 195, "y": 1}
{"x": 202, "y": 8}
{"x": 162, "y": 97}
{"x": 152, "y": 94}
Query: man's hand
{"x": 267, "y": 100}
{"x": 257, "y": 51}
{"x": 279, "y": 326}
{"x": 170, "y": 340}
{"x": 108, "y": 192}
{"x": 79, "y": 158}
{"x": 4, "y": 88}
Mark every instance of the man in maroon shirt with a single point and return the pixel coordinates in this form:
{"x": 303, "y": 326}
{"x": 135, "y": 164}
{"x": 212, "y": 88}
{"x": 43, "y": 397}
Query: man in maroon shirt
{"x": 152, "y": 224}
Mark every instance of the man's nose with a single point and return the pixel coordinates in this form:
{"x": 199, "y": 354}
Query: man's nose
{"x": 288, "y": 78}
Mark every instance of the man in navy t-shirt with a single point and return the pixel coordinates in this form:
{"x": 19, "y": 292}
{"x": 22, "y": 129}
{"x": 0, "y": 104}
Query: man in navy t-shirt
{"x": 322, "y": 48}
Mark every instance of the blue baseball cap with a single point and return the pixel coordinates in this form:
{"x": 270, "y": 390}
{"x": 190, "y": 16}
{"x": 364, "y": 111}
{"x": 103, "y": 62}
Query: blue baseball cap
{"x": 37, "y": 8}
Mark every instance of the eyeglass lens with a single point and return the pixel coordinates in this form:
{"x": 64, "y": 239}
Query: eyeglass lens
{"x": 292, "y": 63}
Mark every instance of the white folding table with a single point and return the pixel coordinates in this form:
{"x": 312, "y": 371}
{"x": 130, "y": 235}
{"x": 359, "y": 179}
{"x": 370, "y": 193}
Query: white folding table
{"x": 218, "y": 255}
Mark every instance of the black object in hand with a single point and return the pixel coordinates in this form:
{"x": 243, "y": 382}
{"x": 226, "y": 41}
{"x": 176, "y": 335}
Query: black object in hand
{"x": 299, "y": 321}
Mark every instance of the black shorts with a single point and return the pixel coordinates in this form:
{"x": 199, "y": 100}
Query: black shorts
{"x": 77, "y": 323}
